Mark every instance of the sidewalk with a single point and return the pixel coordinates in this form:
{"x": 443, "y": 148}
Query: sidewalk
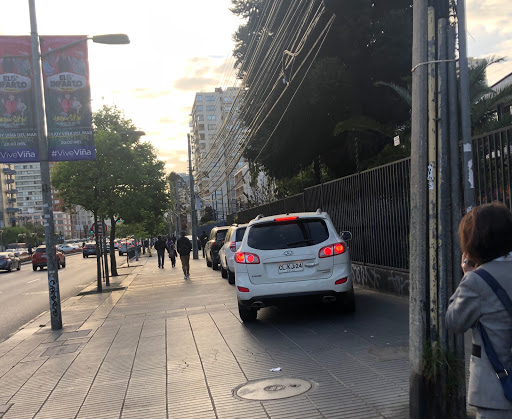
{"x": 158, "y": 346}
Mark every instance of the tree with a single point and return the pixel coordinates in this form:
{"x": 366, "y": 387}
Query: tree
{"x": 126, "y": 181}
{"x": 368, "y": 41}
{"x": 208, "y": 216}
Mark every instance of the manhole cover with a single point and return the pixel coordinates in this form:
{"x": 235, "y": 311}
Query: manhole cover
{"x": 272, "y": 388}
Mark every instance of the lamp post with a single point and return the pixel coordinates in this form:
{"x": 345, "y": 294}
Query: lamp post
{"x": 49, "y": 229}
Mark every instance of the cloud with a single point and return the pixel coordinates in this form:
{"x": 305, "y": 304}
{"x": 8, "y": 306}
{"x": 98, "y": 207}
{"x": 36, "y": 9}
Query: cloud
{"x": 146, "y": 93}
{"x": 195, "y": 83}
{"x": 166, "y": 120}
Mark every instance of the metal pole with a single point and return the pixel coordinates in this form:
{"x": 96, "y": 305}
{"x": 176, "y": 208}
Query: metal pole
{"x": 192, "y": 203}
{"x": 105, "y": 256}
{"x": 418, "y": 230}
{"x": 457, "y": 346}
{"x": 465, "y": 113}
{"x": 49, "y": 229}
{"x": 136, "y": 248}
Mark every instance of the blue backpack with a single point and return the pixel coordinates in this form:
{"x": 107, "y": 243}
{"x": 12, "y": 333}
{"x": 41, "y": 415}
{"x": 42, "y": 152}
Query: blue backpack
{"x": 501, "y": 372}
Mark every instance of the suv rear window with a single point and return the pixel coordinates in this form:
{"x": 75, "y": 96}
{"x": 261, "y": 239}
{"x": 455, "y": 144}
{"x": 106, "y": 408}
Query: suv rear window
{"x": 41, "y": 250}
{"x": 240, "y": 234}
{"x": 300, "y": 233}
{"x": 221, "y": 235}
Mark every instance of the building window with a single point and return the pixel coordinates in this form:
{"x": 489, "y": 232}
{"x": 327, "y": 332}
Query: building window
{"x": 210, "y": 98}
{"x": 199, "y": 98}
{"x": 227, "y": 108}
{"x": 201, "y": 127}
{"x": 210, "y": 108}
{"x": 199, "y": 108}
{"x": 200, "y": 117}
{"x": 211, "y": 127}
{"x": 227, "y": 100}
{"x": 211, "y": 117}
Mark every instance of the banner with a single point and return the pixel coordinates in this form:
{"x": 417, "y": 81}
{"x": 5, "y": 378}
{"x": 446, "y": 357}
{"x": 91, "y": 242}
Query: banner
{"x": 67, "y": 98}
{"x": 18, "y": 130}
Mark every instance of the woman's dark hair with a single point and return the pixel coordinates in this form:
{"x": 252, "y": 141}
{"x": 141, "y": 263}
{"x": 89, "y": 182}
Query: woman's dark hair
{"x": 485, "y": 233}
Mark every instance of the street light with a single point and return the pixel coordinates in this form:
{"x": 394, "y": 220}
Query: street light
{"x": 49, "y": 228}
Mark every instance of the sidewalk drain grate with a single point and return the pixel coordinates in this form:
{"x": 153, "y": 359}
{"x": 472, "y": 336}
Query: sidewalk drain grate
{"x": 103, "y": 291}
{"x": 272, "y": 388}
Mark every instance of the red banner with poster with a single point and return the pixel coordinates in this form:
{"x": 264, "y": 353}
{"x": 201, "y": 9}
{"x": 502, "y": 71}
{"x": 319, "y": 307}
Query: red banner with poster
{"x": 65, "y": 69}
{"x": 18, "y": 131}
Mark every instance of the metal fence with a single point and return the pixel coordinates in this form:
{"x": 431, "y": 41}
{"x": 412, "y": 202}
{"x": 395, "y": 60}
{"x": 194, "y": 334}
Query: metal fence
{"x": 492, "y": 167}
{"x": 374, "y": 205}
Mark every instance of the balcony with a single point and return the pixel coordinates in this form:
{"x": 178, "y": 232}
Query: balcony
{"x": 12, "y": 191}
{"x": 12, "y": 200}
{"x": 8, "y": 180}
{"x": 8, "y": 171}
{"x": 12, "y": 209}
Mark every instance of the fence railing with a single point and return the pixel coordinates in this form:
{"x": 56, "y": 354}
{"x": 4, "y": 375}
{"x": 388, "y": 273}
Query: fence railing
{"x": 374, "y": 205}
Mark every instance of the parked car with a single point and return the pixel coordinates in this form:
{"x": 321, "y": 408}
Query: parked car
{"x": 293, "y": 257}
{"x": 9, "y": 261}
{"x": 124, "y": 246}
{"x": 89, "y": 249}
{"x": 232, "y": 242}
{"x": 213, "y": 245}
{"x": 39, "y": 258}
{"x": 66, "y": 248}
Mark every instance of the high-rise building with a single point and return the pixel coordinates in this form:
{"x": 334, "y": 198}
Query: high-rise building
{"x": 8, "y": 201}
{"x": 213, "y": 126}
{"x": 30, "y": 199}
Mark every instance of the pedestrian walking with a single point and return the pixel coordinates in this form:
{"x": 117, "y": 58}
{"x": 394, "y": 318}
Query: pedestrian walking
{"x": 203, "y": 238}
{"x": 485, "y": 235}
{"x": 171, "y": 248}
{"x": 160, "y": 247}
{"x": 184, "y": 247}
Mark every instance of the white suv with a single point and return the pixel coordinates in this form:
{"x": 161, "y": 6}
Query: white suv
{"x": 232, "y": 242}
{"x": 293, "y": 256}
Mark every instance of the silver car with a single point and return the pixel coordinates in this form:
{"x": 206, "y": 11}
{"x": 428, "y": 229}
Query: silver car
{"x": 232, "y": 242}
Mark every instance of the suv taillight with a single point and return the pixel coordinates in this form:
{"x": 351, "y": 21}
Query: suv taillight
{"x": 232, "y": 246}
{"x": 332, "y": 250}
{"x": 247, "y": 258}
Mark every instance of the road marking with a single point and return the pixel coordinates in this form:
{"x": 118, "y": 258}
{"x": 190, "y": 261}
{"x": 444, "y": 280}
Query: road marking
{"x": 34, "y": 280}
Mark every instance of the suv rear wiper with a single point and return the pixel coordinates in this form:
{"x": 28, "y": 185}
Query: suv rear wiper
{"x": 308, "y": 241}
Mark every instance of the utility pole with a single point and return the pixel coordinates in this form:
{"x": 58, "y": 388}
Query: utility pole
{"x": 437, "y": 385}
{"x": 192, "y": 202}
{"x": 49, "y": 228}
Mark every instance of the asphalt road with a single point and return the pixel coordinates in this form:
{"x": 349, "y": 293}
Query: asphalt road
{"x": 24, "y": 293}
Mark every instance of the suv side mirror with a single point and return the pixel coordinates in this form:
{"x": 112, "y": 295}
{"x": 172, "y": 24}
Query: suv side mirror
{"x": 346, "y": 235}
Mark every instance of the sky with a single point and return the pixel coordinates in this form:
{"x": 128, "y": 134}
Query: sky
{"x": 179, "y": 47}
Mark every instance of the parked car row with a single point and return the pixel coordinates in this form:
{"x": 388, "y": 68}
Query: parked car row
{"x": 290, "y": 257}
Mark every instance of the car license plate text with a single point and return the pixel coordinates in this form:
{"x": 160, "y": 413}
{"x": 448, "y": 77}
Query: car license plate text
{"x": 290, "y": 267}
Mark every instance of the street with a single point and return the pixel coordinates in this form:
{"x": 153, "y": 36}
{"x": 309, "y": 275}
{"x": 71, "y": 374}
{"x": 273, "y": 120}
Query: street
{"x": 159, "y": 346}
{"x": 24, "y": 294}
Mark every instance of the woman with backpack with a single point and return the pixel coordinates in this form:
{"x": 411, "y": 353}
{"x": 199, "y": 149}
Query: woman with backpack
{"x": 485, "y": 235}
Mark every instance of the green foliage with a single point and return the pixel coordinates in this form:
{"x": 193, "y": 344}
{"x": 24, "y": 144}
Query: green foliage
{"x": 369, "y": 40}
{"x": 437, "y": 362}
{"x": 208, "y": 215}
{"x": 28, "y": 233}
{"x": 126, "y": 181}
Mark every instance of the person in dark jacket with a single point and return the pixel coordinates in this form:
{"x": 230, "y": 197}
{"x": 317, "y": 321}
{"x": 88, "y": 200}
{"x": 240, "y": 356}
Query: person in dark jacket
{"x": 485, "y": 235}
{"x": 184, "y": 247}
{"x": 171, "y": 247}
{"x": 203, "y": 238}
{"x": 160, "y": 247}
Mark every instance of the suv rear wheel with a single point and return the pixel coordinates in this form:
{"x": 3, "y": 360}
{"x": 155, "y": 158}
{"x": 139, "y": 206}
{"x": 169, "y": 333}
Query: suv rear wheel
{"x": 208, "y": 263}
{"x": 231, "y": 277}
{"x": 215, "y": 266}
{"x": 247, "y": 314}
{"x": 347, "y": 302}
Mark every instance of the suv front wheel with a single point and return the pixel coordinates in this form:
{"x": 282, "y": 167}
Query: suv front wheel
{"x": 247, "y": 314}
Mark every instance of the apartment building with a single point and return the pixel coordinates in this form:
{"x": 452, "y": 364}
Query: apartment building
{"x": 214, "y": 128}
{"x": 8, "y": 202}
{"x": 30, "y": 199}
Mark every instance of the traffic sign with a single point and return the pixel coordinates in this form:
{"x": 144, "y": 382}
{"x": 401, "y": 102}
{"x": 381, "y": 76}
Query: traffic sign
{"x": 101, "y": 227}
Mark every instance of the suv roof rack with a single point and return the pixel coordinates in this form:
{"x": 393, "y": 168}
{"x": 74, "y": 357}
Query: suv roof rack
{"x": 318, "y": 211}
{"x": 259, "y": 217}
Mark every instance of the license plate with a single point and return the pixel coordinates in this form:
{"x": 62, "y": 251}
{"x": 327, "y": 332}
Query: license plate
{"x": 290, "y": 267}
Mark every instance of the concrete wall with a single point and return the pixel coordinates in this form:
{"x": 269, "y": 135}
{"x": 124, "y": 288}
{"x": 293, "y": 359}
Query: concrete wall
{"x": 381, "y": 279}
